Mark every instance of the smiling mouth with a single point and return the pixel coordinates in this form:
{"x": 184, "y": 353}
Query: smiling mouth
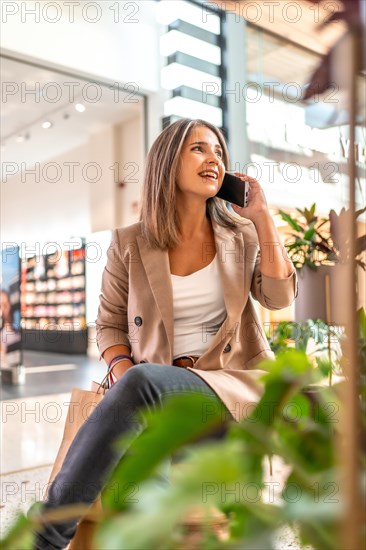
{"x": 209, "y": 175}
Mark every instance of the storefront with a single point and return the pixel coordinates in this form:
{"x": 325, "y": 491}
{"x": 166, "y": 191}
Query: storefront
{"x": 74, "y": 144}
{"x": 73, "y": 153}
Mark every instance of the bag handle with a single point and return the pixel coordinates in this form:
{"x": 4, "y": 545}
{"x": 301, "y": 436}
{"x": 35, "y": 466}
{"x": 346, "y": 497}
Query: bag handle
{"x": 105, "y": 382}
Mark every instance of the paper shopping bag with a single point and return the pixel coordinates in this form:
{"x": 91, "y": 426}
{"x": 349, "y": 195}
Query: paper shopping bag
{"x": 82, "y": 404}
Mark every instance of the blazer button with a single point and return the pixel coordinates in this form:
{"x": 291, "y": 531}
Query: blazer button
{"x": 138, "y": 321}
{"x": 227, "y": 348}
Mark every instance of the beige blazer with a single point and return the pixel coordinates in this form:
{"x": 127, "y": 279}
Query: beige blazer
{"x": 136, "y": 309}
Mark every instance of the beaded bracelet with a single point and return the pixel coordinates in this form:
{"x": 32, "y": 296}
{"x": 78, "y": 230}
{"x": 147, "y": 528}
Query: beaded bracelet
{"x": 118, "y": 357}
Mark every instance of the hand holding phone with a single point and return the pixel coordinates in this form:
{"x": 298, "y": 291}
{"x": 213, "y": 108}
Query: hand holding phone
{"x": 234, "y": 190}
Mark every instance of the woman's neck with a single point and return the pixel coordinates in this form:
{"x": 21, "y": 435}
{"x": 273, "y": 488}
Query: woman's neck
{"x": 193, "y": 228}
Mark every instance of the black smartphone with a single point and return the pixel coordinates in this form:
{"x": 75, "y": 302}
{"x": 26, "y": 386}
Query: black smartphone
{"x": 235, "y": 190}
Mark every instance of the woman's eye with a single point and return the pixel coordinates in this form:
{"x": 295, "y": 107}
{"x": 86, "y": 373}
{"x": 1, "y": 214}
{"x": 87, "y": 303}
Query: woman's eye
{"x": 197, "y": 147}
{"x": 219, "y": 154}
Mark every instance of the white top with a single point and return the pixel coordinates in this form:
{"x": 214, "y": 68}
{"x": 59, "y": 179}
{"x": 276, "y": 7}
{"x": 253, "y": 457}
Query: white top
{"x": 199, "y": 309}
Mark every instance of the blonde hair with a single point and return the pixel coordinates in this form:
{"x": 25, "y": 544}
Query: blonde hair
{"x": 158, "y": 206}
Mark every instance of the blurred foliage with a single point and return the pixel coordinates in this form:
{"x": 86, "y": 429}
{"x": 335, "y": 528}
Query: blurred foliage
{"x": 311, "y": 337}
{"x": 294, "y": 420}
{"x": 314, "y": 241}
{"x": 284, "y": 334}
{"x": 309, "y": 243}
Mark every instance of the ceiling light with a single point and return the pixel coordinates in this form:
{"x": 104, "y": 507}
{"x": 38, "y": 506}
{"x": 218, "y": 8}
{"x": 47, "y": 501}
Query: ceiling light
{"x": 19, "y": 139}
{"x": 46, "y": 124}
{"x": 79, "y": 107}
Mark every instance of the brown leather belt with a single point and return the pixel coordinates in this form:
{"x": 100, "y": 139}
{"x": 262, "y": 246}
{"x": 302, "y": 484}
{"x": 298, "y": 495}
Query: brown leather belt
{"x": 185, "y": 361}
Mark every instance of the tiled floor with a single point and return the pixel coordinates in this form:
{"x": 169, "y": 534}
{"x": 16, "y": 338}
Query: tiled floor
{"x": 85, "y": 369}
{"x": 32, "y": 429}
{"x": 32, "y": 422}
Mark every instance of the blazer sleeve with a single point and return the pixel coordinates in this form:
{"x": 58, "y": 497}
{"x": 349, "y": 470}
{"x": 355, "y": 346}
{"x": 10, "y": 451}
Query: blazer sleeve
{"x": 112, "y": 320}
{"x": 270, "y": 292}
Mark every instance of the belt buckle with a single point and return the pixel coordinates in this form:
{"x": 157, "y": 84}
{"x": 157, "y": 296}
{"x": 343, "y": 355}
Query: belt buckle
{"x": 193, "y": 359}
{"x": 184, "y": 357}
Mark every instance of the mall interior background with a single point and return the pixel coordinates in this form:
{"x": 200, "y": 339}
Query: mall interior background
{"x": 86, "y": 88}
{"x": 84, "y": 98}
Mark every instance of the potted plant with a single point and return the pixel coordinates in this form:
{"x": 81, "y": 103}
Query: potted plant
{"x": 309, "y": 243}
{"x": 316, "y": 246}
{"x": 312, "y": 251}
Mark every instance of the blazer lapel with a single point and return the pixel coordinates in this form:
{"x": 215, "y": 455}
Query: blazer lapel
{"x": 157, "y": 267}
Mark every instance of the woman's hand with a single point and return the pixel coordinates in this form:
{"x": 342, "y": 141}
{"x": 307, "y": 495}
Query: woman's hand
{"x": 274, "y": 259}
{"x": 257, "y": 204}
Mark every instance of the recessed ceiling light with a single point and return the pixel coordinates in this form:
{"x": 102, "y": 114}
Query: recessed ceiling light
{"x": 19, "y": 139}
{"x": 46, "y": 124}
{"x": 80, "y": 107}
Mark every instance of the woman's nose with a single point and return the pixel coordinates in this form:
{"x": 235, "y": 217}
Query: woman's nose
{"x": 212, "y": 158}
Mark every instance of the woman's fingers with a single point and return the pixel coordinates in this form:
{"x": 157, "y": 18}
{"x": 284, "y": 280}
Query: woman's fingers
{"x": 250, "y": 179}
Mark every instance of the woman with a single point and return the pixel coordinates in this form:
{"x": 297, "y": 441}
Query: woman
{"x": 175, "y": 313}
{"x": 9, "y": 334}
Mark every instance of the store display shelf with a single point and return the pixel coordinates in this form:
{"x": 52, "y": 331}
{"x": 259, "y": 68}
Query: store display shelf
{"x": 63, "y": 303}
{"x": 50, "y": 318}
{"x": 58, "y": 341}
{"x": 53, "y": 301}
{"x": 70, "y": 276}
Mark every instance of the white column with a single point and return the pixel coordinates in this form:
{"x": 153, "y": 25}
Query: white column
{"x": 102, "y": 193}
{"x": 233, "y": 88}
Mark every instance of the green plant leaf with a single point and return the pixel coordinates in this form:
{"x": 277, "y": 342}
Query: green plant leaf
{"x": 361, "y": 315}
{"x": 291, "y": 221}
{"x": 359, "y": 212}
{"x": 360, "y": 245}
{"x": 167, "y": 431}
{"x": 207, "y": 479}
{"x": 310, "y": 233}
{"x": 19, "y": 535}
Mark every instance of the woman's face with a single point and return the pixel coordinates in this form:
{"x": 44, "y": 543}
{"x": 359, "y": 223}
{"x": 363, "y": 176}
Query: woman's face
{"x": 201, "y": 167}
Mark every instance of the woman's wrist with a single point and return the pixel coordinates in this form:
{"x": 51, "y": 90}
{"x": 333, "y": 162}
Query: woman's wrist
{"x": 118, "y": 358}
{"x": 263, "y": 216}
{"x": 121, "y": 366}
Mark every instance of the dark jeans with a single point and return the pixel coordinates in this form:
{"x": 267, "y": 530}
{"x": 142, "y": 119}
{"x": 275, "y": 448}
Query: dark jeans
{"x": 91, "y": 457}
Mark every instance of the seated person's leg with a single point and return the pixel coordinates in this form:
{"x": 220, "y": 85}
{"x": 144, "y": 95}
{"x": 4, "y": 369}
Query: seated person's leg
{"x": 91, "y": 457}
